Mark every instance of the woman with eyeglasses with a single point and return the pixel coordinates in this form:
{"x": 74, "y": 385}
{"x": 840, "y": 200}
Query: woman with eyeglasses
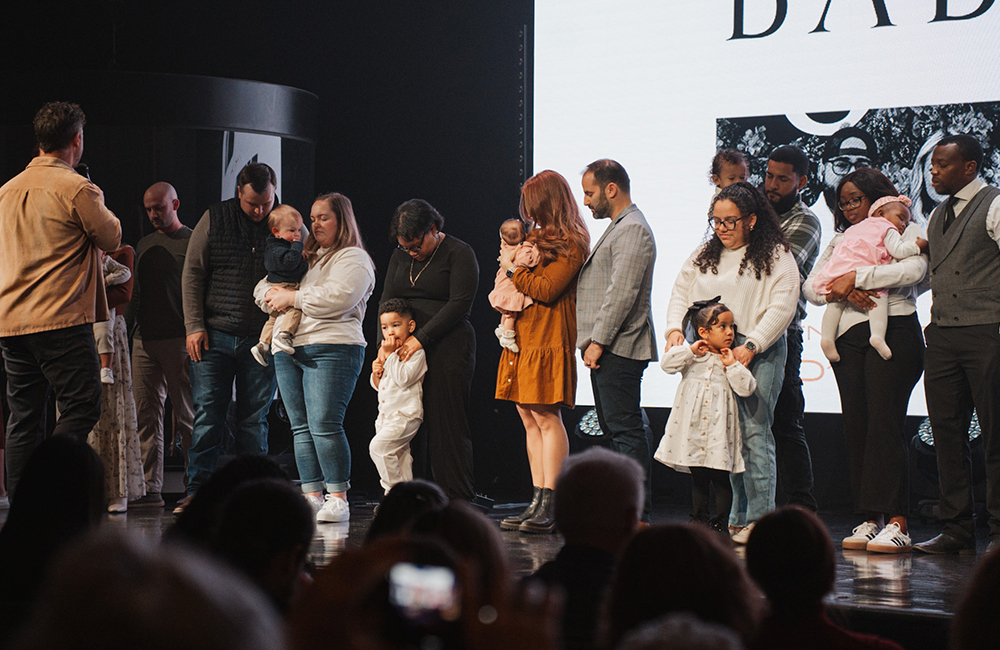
{"x": 439, "y": 275}
{"x": 746, "y": 261}
{"x": 874, "y": 393}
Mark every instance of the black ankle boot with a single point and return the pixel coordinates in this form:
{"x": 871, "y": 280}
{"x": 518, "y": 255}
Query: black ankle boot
{"x": 514, "y": 521}
{"x": 544, "y": 520}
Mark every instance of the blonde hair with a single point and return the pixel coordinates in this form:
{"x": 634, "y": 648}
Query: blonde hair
{"x": 348, "y": 235}
{"x": 282, "y": 214}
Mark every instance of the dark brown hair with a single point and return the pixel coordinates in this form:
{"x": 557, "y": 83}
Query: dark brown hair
{"x": 765, "y": 237}
{"x": 56, "y": 124}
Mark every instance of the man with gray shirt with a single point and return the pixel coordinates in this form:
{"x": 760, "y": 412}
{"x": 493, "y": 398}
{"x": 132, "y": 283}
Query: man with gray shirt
{"x": 614, "y": 317}
{"x": 159, "y": 351}
{"x": 962, "y": 363}
{"x": 225, "y": 260}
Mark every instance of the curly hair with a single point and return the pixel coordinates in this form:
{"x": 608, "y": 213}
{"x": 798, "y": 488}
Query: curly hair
{"x": 763, "y": 238}
{"x": 726, "y": 157}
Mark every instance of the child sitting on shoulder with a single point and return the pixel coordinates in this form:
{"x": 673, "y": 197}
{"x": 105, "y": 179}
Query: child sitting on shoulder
{"x": 285, "y": 264}
{"x": 505, "y": 297}
{"x": 400, "y": 395}
{"x": 875, "y": 241}
{"x": 728, "y": 166}
{"x": 703, "y": 431}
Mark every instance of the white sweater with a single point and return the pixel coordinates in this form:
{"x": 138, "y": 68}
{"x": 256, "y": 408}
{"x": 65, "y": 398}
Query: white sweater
{"x": 333, "y": 296}
{"x": 763, "y": 308}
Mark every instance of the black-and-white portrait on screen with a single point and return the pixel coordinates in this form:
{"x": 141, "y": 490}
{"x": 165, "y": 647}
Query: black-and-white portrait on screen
{"x": 899, "y": 141}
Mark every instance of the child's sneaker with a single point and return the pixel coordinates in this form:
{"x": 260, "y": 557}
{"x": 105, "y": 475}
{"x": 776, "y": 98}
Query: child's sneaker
{"x": 860, "y": 536}
{"x": 890, "y": 540}
{"x": 508, "y": 341}
{"x": 282, "y": 342}
{"x": 107, "y": 377}
{"x": 260, "y": 352}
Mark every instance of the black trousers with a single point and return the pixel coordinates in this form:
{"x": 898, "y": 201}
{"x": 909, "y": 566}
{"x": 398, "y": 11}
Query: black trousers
{"x": 451, "y": 363}
{"x": 874, "y": 395}
{"x": 795, "y": 472}
{"x": 67, "y": 360}
{"x": 963, "y": 372}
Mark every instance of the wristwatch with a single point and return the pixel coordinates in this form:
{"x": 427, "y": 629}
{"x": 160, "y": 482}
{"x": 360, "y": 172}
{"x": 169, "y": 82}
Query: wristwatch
{"x": 510, "y": 271}
{"x": 749, "y": 345}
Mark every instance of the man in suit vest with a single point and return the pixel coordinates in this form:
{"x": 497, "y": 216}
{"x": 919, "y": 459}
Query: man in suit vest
{"x": 614, "y": 318}
{"x": 962, "y": 364}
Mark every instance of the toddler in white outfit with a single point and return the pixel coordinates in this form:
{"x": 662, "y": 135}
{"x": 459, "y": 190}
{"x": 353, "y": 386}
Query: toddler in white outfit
{"x": 400, "y": 395}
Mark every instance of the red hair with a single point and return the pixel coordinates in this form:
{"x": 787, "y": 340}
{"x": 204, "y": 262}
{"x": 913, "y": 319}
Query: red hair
{"x": 547, "y": 201}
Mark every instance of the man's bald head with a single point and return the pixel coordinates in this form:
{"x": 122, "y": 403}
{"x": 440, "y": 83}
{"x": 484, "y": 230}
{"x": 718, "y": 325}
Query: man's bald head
{"x": 161, "y": 204}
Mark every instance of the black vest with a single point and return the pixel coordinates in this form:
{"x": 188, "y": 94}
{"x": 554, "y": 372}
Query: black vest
{"x": 236, "y": 265}
{"x": 965, "y": 265}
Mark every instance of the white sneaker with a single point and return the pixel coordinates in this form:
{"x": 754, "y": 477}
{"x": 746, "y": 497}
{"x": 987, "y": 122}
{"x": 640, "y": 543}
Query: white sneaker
{"x": 860, "y": 536}
{"x": 890, "y": 540}
{"x": 334, "y": 510}
{"x": 107, "y": 377}
{"x": 282, "y": 342}
{"x": 315, "y": 502}
{"x": 743, "y": 536}
{"x": 260, "y": 352}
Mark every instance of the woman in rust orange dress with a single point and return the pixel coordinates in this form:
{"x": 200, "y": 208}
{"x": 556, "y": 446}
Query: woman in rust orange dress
{"x": 541, "y": 378}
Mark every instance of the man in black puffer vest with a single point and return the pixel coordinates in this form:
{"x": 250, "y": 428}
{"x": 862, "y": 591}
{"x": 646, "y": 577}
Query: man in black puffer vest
{"x": 225, "y": 260}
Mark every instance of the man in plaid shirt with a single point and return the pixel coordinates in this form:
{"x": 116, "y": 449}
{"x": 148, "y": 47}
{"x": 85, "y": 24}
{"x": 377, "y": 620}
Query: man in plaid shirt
{"x": 787, "y": 174}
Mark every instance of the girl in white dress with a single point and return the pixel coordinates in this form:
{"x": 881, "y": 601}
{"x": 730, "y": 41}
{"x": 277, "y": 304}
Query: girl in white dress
{"x": 703, "y": 432}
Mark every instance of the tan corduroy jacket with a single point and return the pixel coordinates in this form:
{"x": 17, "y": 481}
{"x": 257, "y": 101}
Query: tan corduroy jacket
{"x": 52, "y": 221}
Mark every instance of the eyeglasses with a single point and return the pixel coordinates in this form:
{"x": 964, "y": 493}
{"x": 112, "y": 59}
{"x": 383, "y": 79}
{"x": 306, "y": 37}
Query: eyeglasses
{"x": 850, "y": 204}
{"x": 413, "y": 249}
{"x": 726, "y": 224}
{"x": 846, "y": 165}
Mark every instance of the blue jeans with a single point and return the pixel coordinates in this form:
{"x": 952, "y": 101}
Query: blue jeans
{"x": 616, "y": 386}
{"x": 227, "y": 359}
{"x": 316, "y": 385}
{"x": 753, "y": 490}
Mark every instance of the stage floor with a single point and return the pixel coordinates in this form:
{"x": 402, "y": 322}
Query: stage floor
{"x": 913, "y": 591}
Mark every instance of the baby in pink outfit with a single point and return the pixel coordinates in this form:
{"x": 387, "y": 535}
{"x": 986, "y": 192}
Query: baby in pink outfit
{"x": 505, "y": 297}
{"x": 875, "y": 241}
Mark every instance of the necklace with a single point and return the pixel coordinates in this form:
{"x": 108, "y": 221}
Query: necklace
{"x": 413, "y": 280}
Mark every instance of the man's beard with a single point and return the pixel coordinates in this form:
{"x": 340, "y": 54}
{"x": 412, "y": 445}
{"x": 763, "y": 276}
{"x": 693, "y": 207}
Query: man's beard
{"x": 786, "y": 203}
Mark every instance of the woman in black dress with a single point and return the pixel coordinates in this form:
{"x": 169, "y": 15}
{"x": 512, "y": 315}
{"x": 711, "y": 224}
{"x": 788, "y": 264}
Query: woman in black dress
{"x": 438, "y": 275}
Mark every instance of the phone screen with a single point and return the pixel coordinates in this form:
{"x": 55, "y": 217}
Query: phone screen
{"x": 424, "y": 596}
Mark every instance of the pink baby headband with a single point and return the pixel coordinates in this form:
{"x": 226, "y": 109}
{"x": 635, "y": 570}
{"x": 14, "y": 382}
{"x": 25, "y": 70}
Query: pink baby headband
{"x": 889, "y": 199}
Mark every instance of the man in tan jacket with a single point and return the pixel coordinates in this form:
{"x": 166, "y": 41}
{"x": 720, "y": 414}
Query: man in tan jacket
{"x": 53, "y": 222}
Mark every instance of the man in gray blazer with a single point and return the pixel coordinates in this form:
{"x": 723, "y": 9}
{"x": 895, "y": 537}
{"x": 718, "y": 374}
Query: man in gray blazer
{"x": 614, "y": 319}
